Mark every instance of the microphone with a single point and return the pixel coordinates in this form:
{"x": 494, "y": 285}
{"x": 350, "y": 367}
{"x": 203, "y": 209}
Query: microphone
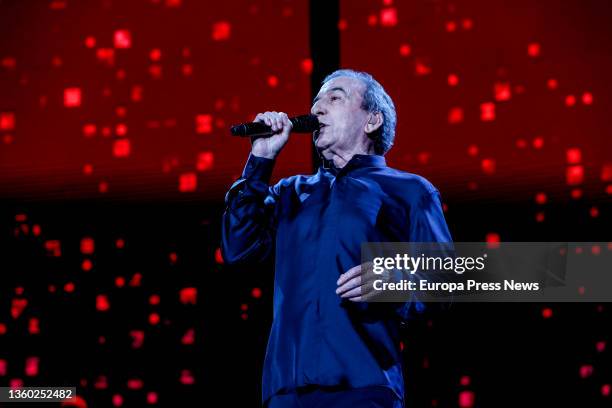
{"x": 301, "y": 124}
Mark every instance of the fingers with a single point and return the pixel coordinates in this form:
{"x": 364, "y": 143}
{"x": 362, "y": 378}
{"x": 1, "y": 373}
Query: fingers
{"x": 267, "y": 118}
{"x": 260, "y": 118}
{"x": 347, "y": 289}
{"x": 356, "y": 291}
{"x": 356, "y": 283}
{"x": 349, "y": 283}
{"x": 351, "y": 273}
{"x": 286, "y": 123}
{"x": 278, "y": 121}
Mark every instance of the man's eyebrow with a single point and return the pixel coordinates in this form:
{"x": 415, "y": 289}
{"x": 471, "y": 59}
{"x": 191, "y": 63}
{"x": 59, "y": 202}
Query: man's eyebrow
{"x": 337, "y": 88}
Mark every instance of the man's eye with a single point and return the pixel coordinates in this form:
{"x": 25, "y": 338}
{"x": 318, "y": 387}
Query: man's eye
{"x": 335, "y": 98}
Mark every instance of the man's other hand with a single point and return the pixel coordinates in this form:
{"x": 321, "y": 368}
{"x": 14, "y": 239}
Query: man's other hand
{"x": 356, "y": 284}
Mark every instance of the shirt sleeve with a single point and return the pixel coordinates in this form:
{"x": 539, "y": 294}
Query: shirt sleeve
{"x": 426, "y": 224}
{"x": 248, "y": 224}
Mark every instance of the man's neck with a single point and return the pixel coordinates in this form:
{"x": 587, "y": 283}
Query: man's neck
{"x": 340, "y": 159}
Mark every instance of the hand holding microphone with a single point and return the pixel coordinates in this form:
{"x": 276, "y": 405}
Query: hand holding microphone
{"x": 269, "y": 131}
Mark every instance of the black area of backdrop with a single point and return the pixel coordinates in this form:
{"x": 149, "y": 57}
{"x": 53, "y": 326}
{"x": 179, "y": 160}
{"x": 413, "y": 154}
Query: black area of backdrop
{"x": 324, "y": 47}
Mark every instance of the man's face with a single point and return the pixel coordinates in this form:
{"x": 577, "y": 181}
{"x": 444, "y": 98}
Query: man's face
{"x": 343, "y": 121}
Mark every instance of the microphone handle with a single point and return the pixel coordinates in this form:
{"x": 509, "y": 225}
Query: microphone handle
{"x": 301, "y": 124}
{"x": 254, "y": 129}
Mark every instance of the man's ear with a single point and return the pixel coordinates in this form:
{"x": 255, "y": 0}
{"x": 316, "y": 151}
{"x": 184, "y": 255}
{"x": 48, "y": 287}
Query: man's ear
{"x": 374, "y": 122}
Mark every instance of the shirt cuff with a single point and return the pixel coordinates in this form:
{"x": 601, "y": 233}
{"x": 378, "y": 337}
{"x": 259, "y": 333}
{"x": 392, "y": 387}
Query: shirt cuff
{"x": 258, "y": 168}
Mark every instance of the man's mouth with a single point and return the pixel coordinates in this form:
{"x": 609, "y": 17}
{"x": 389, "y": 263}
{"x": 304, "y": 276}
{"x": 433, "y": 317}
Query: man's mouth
{"x": 318, "y": 131}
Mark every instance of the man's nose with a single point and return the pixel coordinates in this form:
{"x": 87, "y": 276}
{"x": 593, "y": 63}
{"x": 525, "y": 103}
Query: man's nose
{"x": 317, "y": 109}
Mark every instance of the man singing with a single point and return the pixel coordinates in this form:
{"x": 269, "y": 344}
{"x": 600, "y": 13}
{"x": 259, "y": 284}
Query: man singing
{"x": 328, "y": 347}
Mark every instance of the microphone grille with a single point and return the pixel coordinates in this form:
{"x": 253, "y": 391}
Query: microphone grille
{"x": 305, "y": 124}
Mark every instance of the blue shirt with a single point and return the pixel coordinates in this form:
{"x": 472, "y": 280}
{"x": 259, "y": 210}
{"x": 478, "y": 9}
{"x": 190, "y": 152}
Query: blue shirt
{"x": 314, "y": 226}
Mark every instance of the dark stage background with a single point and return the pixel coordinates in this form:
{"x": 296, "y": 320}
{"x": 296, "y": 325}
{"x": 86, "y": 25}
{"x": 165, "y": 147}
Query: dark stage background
{"x": 115, "y": 157}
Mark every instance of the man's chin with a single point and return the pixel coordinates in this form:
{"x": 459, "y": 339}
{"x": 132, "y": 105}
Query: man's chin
{"x": 324, "y": 151}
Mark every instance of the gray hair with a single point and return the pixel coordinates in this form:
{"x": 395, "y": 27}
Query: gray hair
{"x": 375, "y": 99}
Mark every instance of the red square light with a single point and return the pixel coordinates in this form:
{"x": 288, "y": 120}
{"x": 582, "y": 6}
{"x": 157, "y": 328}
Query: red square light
{"x": 121, "y": 148}
{"x": 187, "y": 69}
{"x": 488, "y": 166}
{"x": 421, "y": 68}
{"x": 493, "y": 239}
{"x": 8, "y": 62}
{"x": 502, "y": 91}
{"x": 466, "y": 399}
{"x": 135, "y": 383}
{"x": 33, "y": 326}
{"x": 89, "y": 129}
{"x": 31, "y": 366}
{"x": 188, "y": 182}
{"x": 155, "y": 71}
{"x": 106, "y": 55}
{"x": 541, "y": 198}
{"x": 487, "y": 111}
{"x": 188, "y": 337}
{"x": 7, "y": 121}
{"x": 388, "y": 17}
{"x": 405, "y": 50}
{"x": 155, "y": 54}
{"x": 72, "y": 97}
{"x": 218, "y": 256}
{"x": 136, "y": 93}
{"x": 188, "y": 295}
{"x": 472, "y": 150}
{"x": 151, "y": 398}
{"x": 121, "y": 129}
{"x": 87, "y": 246}
{"x": 187, "y": 377}
{"x": 137, "y": 338}
{"x": 203, "y": 123}
{"x": 606, "y": 172}
{"x": 455, "y": 115}
{"x": 272, "y": 81}
{"x": 574, "y": 155}
{"x": 205, "y": 161}
{"x": 90, "y": 41}
{"x": 17, "y": 307}
{"x": 538, "y": 142}
{"x": 533, "y": 49}
{"x": 574, "y": 175}
{"x": 53, "y": 248}
{"x": 102, "y": 303}
{"x": 221, "y": 31}
{"x": 306, "y": 66}
{"x": 123, "y": 39}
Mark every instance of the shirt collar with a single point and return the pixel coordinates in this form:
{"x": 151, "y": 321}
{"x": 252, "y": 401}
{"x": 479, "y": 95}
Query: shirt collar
{"x": 357, "y": 161}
